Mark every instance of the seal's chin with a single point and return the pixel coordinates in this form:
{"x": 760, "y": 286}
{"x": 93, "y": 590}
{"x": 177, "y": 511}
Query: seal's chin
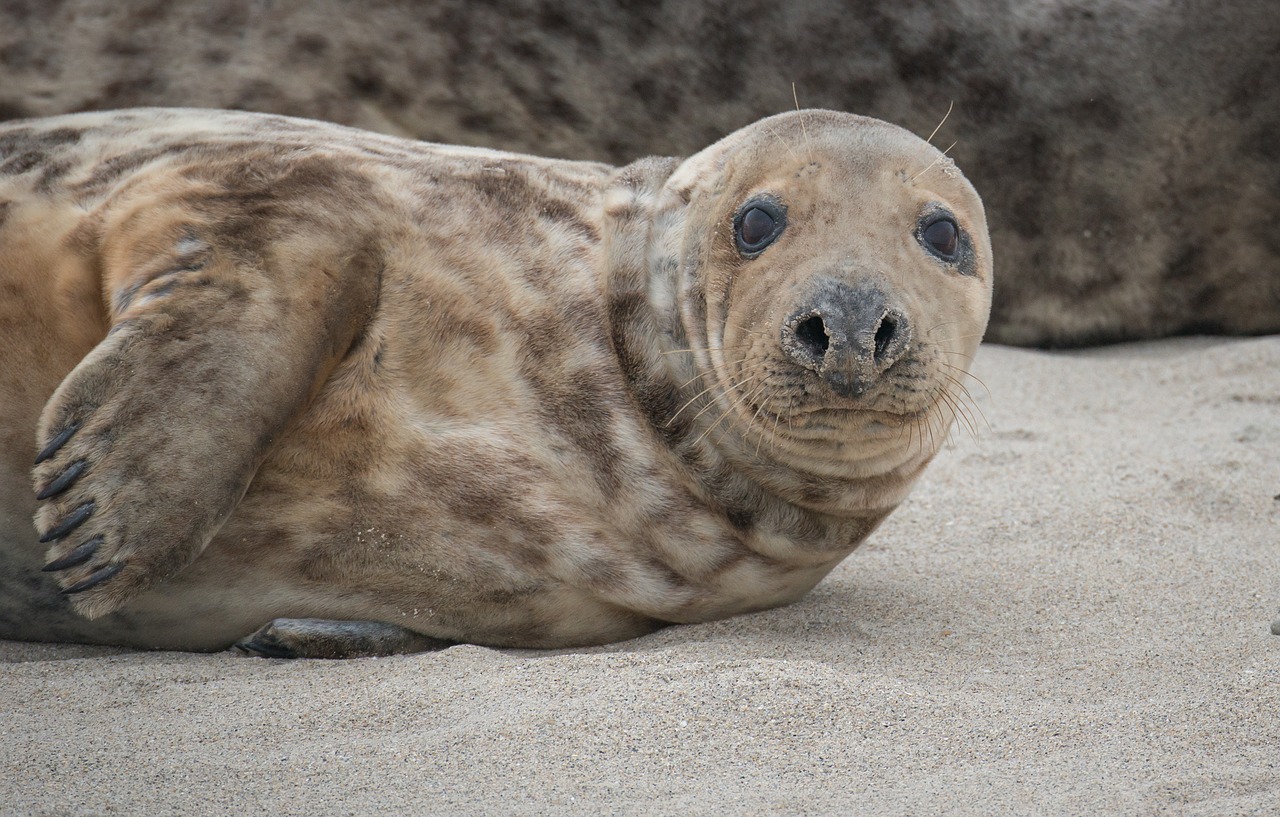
{"x": 862, "y": 420}
{"x": 798, "y": 418}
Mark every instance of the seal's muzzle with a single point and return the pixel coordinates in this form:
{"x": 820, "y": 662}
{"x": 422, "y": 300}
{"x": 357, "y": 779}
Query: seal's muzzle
{"x": 849, "y": 335}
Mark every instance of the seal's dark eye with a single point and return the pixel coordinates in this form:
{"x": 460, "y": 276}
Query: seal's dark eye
{"x": 943, "y": 238}
{"x": 757, "y": 224}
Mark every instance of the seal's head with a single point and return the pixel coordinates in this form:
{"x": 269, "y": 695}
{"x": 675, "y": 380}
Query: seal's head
{"x": 831, "y": 278}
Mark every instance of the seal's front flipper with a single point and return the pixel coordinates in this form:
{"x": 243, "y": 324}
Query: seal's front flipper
{"x": 222, "y": 332}
{"x": 320, "y": 638}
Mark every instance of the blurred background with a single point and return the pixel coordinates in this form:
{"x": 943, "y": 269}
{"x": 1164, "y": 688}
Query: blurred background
{"x": 1126, "y": 150}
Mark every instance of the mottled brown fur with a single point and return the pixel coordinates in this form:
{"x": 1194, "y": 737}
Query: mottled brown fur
{"x": 311, "y": 372}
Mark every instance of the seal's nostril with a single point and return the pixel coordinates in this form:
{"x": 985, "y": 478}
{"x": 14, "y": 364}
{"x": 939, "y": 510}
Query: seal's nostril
{"x": 884, "y": 336}
{"x": 812, "y": 332}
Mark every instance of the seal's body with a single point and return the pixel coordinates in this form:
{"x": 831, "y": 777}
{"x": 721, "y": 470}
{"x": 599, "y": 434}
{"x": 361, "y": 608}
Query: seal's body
{"x": 275, "y": 368}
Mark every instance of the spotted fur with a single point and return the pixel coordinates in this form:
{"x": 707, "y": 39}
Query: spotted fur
{"x": 1126, "y": 150}
{"x": 273, "y": 368}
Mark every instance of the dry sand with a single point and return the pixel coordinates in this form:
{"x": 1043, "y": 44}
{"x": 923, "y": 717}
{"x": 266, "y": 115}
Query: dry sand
{"x": 1070, "y": 616}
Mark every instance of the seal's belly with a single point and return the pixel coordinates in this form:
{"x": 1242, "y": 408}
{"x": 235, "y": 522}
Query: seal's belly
{"x": 498, "y": 532}
{"x": 489, "y": 512}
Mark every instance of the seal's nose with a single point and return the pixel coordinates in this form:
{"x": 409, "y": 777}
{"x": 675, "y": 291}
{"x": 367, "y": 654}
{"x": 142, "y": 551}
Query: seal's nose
{"x": 848, "y": 334}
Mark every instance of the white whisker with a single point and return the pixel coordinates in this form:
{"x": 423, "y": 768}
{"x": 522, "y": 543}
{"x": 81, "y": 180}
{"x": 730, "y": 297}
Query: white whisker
{"x": 940, "y": 124}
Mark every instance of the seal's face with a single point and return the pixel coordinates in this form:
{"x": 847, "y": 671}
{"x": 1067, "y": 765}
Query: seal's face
{"x": 839, "y": 274}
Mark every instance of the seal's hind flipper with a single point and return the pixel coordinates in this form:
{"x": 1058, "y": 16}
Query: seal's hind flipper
{"x": 221, "y": 333}
{"x": 321, "y": 638}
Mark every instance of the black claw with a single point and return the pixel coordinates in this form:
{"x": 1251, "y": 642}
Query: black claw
{"x": 75, "y": 520}
{"x": 76, "y": 557}
{"x": 57, "y": 442}
{"x": 64, "y": 480}
{"x": 95, "y": 578}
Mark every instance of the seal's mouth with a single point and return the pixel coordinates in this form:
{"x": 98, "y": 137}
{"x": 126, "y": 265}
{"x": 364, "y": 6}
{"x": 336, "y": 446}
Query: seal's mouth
{"x": 825, "y": 417}
{"x": 819, "y": 389}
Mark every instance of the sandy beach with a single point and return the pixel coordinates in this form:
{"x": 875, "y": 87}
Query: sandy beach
{"x": 1070, "y": 615}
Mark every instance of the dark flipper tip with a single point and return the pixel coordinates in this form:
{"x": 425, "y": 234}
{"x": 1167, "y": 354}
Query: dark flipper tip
{"x": 263, "y": 649}
{"x": 76, "y": 557}
{"x": 70, "y": 523}
{"x": 325, "y": 638}
{"x": 95, "y": 578}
